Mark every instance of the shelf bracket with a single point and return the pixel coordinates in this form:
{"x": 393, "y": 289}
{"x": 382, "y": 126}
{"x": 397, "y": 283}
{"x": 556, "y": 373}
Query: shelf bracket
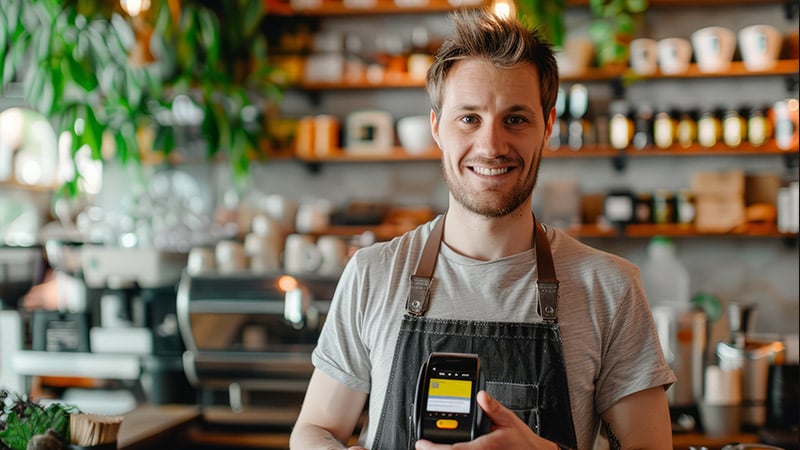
{"x": 619, "y": 161}
{"x": 791, "y": 82}
{"x": 791, "y": 9}
{"x": 314, "y": 168}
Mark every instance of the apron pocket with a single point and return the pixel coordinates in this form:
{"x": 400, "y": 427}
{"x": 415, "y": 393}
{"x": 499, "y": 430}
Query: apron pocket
{"x": 523, "y": 399}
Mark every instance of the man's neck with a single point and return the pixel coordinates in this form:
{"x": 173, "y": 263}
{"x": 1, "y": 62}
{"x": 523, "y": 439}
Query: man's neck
{"x": 488, "y": 238}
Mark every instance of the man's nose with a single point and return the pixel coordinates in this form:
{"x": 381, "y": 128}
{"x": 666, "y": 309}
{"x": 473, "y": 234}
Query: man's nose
{"x": 491, "y": 140}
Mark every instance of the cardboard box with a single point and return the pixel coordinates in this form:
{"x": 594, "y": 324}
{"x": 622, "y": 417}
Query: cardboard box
{"x": 724, "y": 184}
{"x": 719, "y": 214}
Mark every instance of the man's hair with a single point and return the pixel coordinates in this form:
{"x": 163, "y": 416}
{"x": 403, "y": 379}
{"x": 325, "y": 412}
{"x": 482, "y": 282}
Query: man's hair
{"x": 503, "y": 42}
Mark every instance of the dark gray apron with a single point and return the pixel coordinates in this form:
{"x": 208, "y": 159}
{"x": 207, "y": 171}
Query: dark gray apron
{"x": 523, "y": 363}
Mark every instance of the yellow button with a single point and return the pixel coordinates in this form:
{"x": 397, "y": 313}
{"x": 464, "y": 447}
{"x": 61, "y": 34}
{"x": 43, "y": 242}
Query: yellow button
{"x": 447, "y": 424}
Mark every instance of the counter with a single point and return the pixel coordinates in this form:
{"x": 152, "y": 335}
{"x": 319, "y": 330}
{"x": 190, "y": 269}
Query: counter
{"x": 150, "y": 426}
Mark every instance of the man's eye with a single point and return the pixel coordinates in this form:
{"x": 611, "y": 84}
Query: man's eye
{"x": 469, "y": 120}
{"x": 516, "y": 120}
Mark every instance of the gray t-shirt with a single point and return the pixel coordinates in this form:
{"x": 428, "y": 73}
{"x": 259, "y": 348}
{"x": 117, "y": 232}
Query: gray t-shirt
{"x": 611, "y": 349}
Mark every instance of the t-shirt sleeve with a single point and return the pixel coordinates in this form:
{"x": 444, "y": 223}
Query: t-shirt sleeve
{"x": 340, "y": 351}
{"x": 632, "y": 356}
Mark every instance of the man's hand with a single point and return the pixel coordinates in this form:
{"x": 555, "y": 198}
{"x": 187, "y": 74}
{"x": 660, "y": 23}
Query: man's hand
{"x": 508, "y": 431}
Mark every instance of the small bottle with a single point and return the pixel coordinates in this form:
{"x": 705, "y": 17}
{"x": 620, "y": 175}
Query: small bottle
{"x": 664, "y": 129}
{"x": 759, "y": 128}
{"x": 620, "y": 126}
{"x": 734, "y": 128}
{"x": 686, "y": 133}
{"x": 685, "y": 207}
{"x": 643, "y": 208}
{"x": 663, "y": 207}
{"x": 709, "y": 128}
{"x": 643, "y": 128}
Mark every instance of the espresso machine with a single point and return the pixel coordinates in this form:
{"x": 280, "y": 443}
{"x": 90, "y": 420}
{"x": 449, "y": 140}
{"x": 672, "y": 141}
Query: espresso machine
{"x": 249, "y": 339}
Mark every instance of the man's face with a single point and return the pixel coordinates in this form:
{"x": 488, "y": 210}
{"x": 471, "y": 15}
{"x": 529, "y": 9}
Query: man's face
{"x": 491, "y": 131}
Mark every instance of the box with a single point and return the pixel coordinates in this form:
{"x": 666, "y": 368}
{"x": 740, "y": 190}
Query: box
{"x": 719, "y": 214}
{"x": 725, "y": 184}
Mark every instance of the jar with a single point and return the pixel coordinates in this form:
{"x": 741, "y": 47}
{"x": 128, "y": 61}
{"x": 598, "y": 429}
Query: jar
{"x": 620, "y": 126}
{"x": 759, "y": 128}
{"x": 686, "y": 132}
{"x": 709, "y": 129}
{"x": 664, "y": 129}
{"x": 663, "y": 207}
{"x": 734, "y": 128}
{"x": 685, "y": 209}
{"x": 643, "y": 208}
{"x": 643, "y": 128}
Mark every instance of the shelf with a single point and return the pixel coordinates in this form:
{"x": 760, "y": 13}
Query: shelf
{"x": 788, "y": 67}
{"x": 396, "y": 154}
{"x": 337, "y": 8}
{"x": 768, "y": 230}
{"x": 669, "y": 3}
{"x": 737, "y": 69}
{"x": 745, "y": 149}
{"x": 27, "y": 187}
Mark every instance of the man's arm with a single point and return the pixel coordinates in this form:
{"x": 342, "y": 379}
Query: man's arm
{"x": 329, "y": 414}
{"x": 641, "y": 420}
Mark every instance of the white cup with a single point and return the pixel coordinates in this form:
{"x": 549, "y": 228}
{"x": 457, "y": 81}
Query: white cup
{"x": 674, "y": 55}
{"x": 760, "y": 46}
{"x": 229, "y": 256}
{"x": 263, "y": 251}
{"x": 313, "y": 216}
{"x": 414, "y": 134}
{"x": 333, "y": 252}
{"x": 576, "y": 56}
{"x": 713, "y": 48}
{"x": 644, "y": 56}
{"x": 200, "y": 259}
{"x": 300, "y": 254}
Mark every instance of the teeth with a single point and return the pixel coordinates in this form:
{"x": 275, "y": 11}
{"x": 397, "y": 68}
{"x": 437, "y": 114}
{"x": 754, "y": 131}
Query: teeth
{"x": 490, "y": 172}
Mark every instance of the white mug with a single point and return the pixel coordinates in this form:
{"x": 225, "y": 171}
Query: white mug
{"x": 644, "y": 56}
{"x": 200, "y": 259}
{"x": 713, "y": 48}
{"x": 313, "y": 216}
{"x": 300, "y": 254}
{"x": 674, "y": 55}
{"x": 229, "y": 256}
{"x": 760, "y": 46}
{"x": 333, "y": 252}
{"x": 264, "y": 252}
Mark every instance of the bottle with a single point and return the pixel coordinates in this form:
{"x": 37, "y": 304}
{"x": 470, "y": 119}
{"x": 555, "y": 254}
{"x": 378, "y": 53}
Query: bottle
{"x": 665, "y": 279}
{"x": 666, "y": 283}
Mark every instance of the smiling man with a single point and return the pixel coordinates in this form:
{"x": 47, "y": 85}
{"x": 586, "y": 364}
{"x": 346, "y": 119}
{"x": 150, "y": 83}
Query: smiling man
{"x": 564, "y": 332}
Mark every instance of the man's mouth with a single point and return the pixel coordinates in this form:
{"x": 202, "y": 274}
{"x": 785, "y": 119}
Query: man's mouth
{"x": 490, "y": 171}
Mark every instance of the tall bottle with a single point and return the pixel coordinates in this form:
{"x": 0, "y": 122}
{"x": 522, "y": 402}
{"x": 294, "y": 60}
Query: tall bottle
{"x": 681, "y": 330}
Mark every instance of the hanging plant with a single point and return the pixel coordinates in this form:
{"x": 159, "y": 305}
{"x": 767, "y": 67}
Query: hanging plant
{"x": 98, "y": 73}
{"x": 546, "y": 14}
{"x": 614, "y": 24}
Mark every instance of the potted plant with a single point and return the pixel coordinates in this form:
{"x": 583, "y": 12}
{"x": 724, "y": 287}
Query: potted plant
{"x": 102, "y": 75}
{"x": 614, "y": 24}
{"x": 25, "y": 425}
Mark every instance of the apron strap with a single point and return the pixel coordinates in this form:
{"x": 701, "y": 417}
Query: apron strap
{"x": 420, "y": 292}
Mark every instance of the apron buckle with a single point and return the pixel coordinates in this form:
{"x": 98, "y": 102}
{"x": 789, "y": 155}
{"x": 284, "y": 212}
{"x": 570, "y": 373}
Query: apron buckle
{"x": 419, "y": 295}
{"x": 548, "y": 300}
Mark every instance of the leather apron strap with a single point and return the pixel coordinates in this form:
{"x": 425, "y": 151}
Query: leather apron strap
{"x": 547, "y": 283}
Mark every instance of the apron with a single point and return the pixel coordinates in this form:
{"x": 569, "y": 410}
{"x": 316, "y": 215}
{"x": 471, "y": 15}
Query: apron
{"x": 523, "y": 363}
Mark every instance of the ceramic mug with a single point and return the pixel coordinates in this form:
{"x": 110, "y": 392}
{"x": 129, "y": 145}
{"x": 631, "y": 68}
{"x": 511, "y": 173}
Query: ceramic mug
{"x": 713, "y": 48}
{"x": 313, "y": 216}
{"x": 333, "y": 252}
{"x": 300, "y": 254}
{"x": 263, "y": 251}
{"x": 644, "y": 56}
{"x": 229, "y": 256}
{"x": 414, "y": 133}
{"x": 200, "y": 259}
{"x": 760, "y": 46}
{"x": 674, "y": 55}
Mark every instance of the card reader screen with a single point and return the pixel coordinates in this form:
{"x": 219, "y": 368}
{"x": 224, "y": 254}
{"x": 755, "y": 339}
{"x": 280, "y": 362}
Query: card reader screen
{"x": 449, "y": 396}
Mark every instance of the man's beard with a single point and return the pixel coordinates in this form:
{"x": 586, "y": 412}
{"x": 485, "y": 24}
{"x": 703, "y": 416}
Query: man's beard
{"x": 501, "y": 204}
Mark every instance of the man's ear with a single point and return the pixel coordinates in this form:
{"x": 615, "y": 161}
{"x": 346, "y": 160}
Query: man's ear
{"x": 435, "y": 129}
{"x": 551, "y": 120}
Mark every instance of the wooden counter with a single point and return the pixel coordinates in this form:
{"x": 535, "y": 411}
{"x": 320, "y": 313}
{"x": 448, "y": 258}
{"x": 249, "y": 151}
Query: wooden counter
{"x": 684, "y": 441}
{"x": 152, "y": 426}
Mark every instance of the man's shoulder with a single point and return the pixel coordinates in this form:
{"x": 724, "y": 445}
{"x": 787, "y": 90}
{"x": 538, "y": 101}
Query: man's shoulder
{"x": 570, "y": 252}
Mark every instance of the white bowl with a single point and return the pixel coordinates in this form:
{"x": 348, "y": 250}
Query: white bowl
{"x": 414, "y": 133}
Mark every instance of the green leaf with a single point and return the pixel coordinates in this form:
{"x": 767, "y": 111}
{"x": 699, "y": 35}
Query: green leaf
{"x": 209, "y": 35}
{"x": 253, "y": 14}
{"x": 210, "y": 129}
{"x": 93, "y": 134}
{"x": 164, "y": 140}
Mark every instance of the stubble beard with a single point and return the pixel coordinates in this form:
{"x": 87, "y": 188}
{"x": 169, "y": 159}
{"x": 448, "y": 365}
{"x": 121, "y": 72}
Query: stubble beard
{"x": 499, "y": 205}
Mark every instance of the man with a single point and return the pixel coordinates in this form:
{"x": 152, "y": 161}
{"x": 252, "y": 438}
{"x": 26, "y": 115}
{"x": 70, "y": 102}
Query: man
{"x": 485, "y": 282}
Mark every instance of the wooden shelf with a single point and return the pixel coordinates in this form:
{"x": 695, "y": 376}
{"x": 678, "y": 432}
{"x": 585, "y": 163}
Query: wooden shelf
{"x": 337, "y": 8}
{"x": 669, "y": 3}
{"x": 766, "y": 230}
{"x": 737, "y": 69}
{"x": 745, "y": 149}
{"x": 27, "y": 187}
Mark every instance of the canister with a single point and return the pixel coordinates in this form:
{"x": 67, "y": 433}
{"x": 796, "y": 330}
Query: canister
{"x": 709, "y": 128}
{"x": 686, "y": 133}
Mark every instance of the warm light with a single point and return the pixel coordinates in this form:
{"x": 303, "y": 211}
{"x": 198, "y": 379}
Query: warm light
{"x": 504, "y": 8}
{"x": 287, "y": 283}
{"x": 135, "y": 7}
